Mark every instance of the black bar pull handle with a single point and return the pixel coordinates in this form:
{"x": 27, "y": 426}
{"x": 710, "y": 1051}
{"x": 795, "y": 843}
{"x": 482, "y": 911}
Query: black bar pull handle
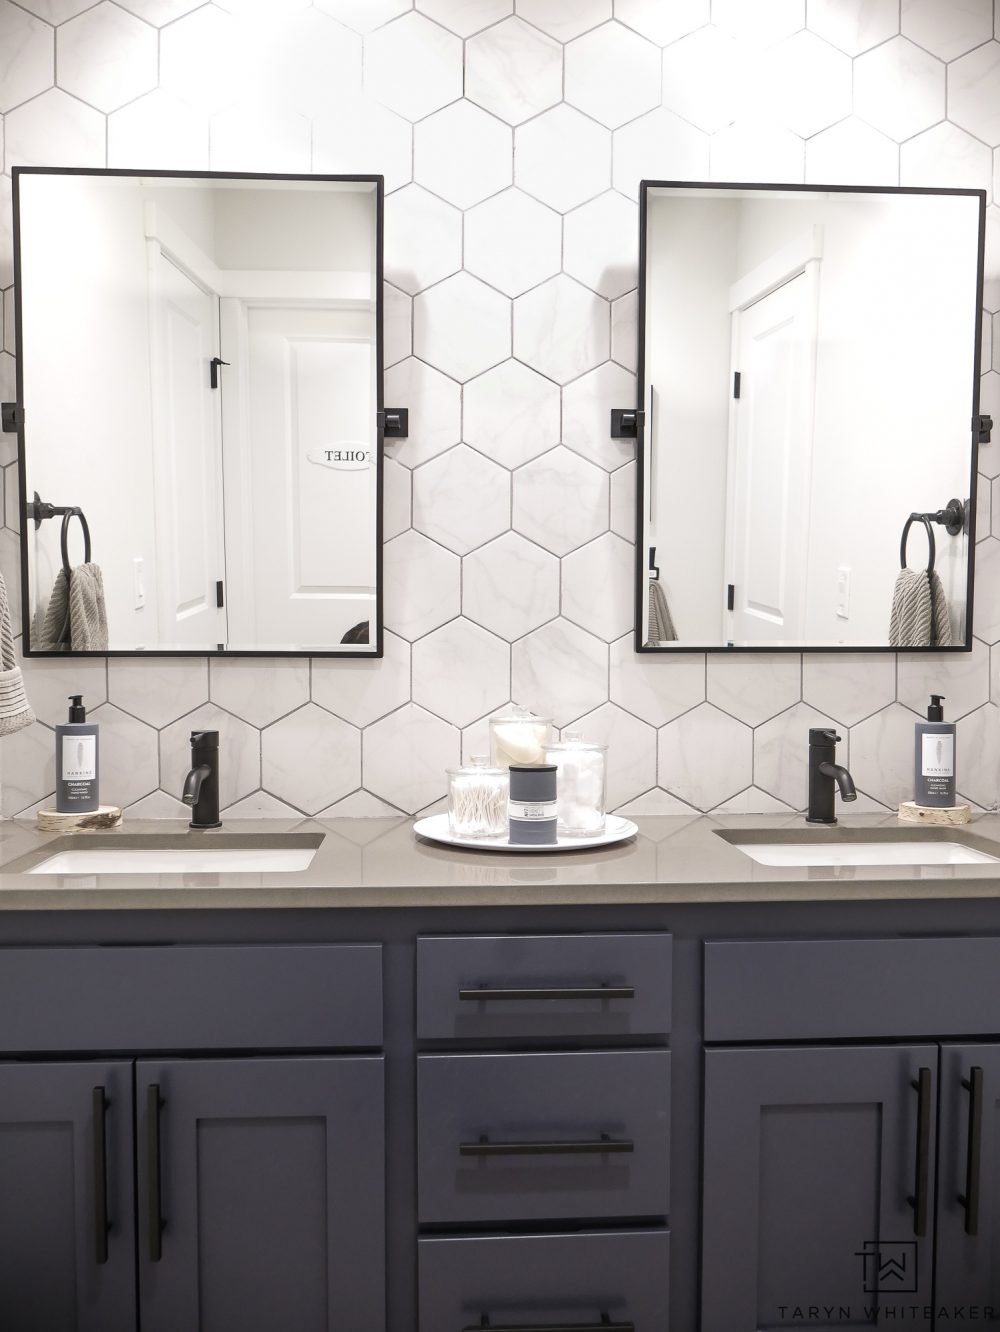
{"x": 605, "y": 1325}
{"x": 486, "y": 993}
{"x": 973, "y": 1084}
{"x": 155, "y": 1219}
{"x": 101, "y": 1223}
{"x": 569, "y": 1147}
{"x": 918, "y": 1199}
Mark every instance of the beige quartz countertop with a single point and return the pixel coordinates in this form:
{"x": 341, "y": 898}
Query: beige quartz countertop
{"x": 381, "y": 863}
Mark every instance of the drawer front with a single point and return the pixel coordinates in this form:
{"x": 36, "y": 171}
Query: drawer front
{"x": 547, "y": 1281}
{"x": 542, "y": 1137}
{"x": 543, "y": 985}
{"x": 810, "y": 989}
{"x": 190, "y": 998}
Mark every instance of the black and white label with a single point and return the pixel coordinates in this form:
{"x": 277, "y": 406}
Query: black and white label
{"x": 536, "y": 811}
{"x": 937, "y": 755}
{"x": 79, "y": 758}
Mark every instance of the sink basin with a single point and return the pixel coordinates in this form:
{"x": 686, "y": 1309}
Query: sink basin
{"x": 217, "y": 853}
{"x": 883, "y": 846}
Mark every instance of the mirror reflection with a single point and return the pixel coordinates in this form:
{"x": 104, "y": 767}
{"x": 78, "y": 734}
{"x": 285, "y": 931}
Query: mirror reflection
{"x": 809, "y": 379}
{"x": 199, "y": 363}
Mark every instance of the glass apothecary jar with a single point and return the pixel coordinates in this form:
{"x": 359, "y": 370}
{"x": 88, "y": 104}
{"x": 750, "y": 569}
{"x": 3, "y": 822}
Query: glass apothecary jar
{"x": 477, "y": 799}
{"x": 518, "y": 737}
{"x": 581, "y": 784}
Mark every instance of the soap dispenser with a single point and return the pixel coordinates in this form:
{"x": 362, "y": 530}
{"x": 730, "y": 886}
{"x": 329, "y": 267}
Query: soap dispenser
{"x": 934, "y": 759}
{"x": 76, "y": 762}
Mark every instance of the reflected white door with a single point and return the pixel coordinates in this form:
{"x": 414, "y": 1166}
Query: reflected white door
{"x": 308, "y": 386}
{"x": 771, "y": 440}
{"x": 187, "y": 459}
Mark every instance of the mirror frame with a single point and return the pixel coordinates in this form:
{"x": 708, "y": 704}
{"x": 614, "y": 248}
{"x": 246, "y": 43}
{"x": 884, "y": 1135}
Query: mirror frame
{"x": 640, "y": 544}
{"x": 378, "y": 182}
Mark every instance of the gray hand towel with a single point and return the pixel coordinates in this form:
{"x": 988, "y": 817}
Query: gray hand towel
{"x": 941, "y": 635}
{"x": 661, "y": 622}
{"x": 919, "y": 616}
{"x": 75, "y": 619}
{"x": 15, "y": 710}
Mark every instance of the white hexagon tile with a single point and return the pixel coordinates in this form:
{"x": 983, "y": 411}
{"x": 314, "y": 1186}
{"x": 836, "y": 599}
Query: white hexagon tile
{"x": 511, "y": 413}
{"x": 461, "y": 499}
{"x": 513, "y": 70}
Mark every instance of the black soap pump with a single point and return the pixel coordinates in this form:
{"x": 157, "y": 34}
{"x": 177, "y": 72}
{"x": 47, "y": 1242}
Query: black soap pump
{"x": 934, "y": 759}
{"x": 77, "y": 768}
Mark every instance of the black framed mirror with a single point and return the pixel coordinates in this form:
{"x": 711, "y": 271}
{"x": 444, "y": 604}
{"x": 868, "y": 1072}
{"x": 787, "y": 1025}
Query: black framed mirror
{"x": 199, "y": 412}
{"x": 808, "y": 417}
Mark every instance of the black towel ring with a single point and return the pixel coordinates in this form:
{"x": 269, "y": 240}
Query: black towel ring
{"x": 64, "y": 539}
{"x": 931, "y": 548}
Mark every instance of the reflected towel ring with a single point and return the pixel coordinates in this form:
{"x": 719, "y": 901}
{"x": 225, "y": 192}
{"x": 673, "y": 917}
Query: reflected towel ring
{"x": 64, "y": 539}
{"x": 931, "y": 548}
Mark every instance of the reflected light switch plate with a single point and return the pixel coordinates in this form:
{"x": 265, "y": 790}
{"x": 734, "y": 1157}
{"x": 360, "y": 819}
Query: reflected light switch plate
{"x": 138, "y": 583}
{"x": 844, "y": 593}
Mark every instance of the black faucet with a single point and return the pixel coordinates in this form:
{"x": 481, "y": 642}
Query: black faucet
{"x": 201, "y": 785}
{"x": 823, "y": 772}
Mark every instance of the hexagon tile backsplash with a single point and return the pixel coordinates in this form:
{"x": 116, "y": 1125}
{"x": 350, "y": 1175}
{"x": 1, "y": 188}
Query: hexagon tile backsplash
{"x": 512, "y": 135}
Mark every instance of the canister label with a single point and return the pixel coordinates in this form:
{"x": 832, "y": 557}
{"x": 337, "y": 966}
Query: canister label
{"x": 537, "y": 810}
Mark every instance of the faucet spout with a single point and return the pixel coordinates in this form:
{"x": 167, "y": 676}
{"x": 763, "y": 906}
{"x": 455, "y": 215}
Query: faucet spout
{"x": 201, "y": 785}
{"x": 842, "y": 777}
{"x": 193, "y": 783}
{"x": 824, "y": 775}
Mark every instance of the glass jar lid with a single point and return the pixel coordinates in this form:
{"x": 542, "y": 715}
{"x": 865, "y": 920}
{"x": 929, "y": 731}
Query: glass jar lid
{"x": 478, "y": 766}
{"x": 573, "y": 742}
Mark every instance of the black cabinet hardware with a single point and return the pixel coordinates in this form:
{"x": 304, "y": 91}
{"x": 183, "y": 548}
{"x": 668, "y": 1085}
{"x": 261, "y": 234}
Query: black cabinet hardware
{"x": 582, "y": 1147}
{"x": 918, "y": 1200}
{"x": 101, "y": 1223}
{"x": 483, "y": 992}
{"x": 605, "y": 1325}
{"x": 155, "y": 1219}
{"x": 213, "y": 371}
{"x": 970, "y": 1198}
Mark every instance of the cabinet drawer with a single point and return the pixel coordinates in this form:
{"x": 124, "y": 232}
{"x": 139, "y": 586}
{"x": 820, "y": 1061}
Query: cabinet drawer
{"x": 811, "y": 989}
{"x": 546, "y": 1281}
{"x": 543, "y": 985}
{"x": 191, "y": 998}
{"x": 532, "y": 1137}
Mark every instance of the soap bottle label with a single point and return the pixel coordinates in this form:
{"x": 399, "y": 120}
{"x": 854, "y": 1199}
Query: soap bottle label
{"x": 79, "y": 758}
{"x": 937, "y": 755}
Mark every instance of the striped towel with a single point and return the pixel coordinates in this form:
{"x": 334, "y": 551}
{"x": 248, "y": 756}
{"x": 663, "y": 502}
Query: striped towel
{"x": 919, "y": 616}
{"x": 15, "y": 710}
{"x": 75, "y": 619}
{"x": 661, "y": 622}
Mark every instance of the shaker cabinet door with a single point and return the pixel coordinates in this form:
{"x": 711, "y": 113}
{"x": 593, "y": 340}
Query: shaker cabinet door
{"x": 818, "y": 1186}
{"x": 66, "y": 1200}
{"x": 261, "y": 1194}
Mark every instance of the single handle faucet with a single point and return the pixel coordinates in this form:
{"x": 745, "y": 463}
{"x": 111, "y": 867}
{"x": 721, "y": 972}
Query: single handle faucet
{"x": 823, "y": 773}
{"x": 201, "y": 785}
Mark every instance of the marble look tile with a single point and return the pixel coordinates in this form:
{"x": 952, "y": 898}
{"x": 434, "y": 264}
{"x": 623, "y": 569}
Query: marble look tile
{"x": 656, "y": 689}
{"x": 397, "y": 503}
{"x": 848, "y": 686}
{"x": 559, "y": 671}
{"x": 562, "y": 158}
{"x": 158, "y": 690}
{"x": 701, "y": 79}
{"x": 658, "y": 146}
{"x": 8, "y": 324}
{"x": 513, "y": 70}
{"x": 631, "y": 756}
{"x": 128, "y": 756}
{"x": 421, "y": 585}
{"x": 899, "y": 88}
{"x": 310, "y": 758}
{"x": 561, "y": 329}
{"x": 988, "y": 460}
{"x": 947, "y": 31}
{"x": 435, "y": 404}
{"x": 406, "y": 755}
{"x": 361, "y": 691}
{"x": 623, "y": 501}
{"x": 158, "y": 132}
{"x": 513, "y": 242}
{"x": 239, "y": 753}
{"x": 259, "y": 805}
{"x": 157, "y": 12}
{"x": 10, "y": 569}
{"x": 754, "y": 688}
{"x": 612, "y": 74}
{"x": 562, "y": 21}
{"x": 11, "y": 499}
{"x": 662, "y": 23}
{"x": 27, "y": 64}
{"x": 854, "y": 25}
{"x": 413, "y": 66}
{"x": 624, "y": 349}
{"x": 49, "y": 683}
{"x": 54, "y": 127}
{"x": 27, "y": 769}
{"x": 977, "y": 757}
{"x": 881, "y": 755}
{"x": 106, "y": 56}
{"x": 259, "y": 691}
{"x": 852, "y": 153}
{"x": 465, "y": 17}
{"x": 987, "y": 609}
{"x": 510, "y": 586}
{"x": 463, "y": 154}
{"x": 587, "y": 404}
{"x": 656, "y": 801}
{"x": 986, "y": 346}
{"x": 806, "y": 83}
{"x": 755, "y": 150}
{"x": 948, "y": 157}
{"x": 251, "y": 137}
{"x": 583, "y": 512}
{"x": 461, "y": 672}
{"x": 705, "y": 756}
{"x": 511, "y": 414}
{"x": 397, "y": 327}
{"x": 423, "y": 239}
{"x": 962, "y": 678}
{"x": 58, "y": 11}
{"x": 364, "y": 15}
{"x": 461, "y": 499}
{"x": 752, "y": 801}
{"x": 159, "y": 805}
{"x": 991, "y": 274}
{"x": 781, "y": 754}
{"x": 359, "y": 805}
{"x": 598, "y": 587}
{"x": 461, "y": 326}
{"x": 359, "y": 136}
{"x": 200, "y": 59}
{"x": 759, "y": 22}
{"x": 600, "y": 245}
{"x": 987, "y": 508}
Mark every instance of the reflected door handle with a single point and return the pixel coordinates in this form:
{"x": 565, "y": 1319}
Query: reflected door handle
{"x": 918, "y": 1199}
{"x": 970, "y": 1198}
{"x": 101, "y": 1223}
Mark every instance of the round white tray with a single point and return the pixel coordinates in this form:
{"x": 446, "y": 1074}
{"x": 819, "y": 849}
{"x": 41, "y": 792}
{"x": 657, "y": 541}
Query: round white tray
{"x": 435, "y": 829}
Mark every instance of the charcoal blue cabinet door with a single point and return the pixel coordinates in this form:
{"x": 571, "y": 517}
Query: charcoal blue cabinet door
{"x": 968, "y": 1234}
{"x": 811, "y": 1159}
{"x": 261, "y": 1195}
{"x": 67, "y": 1239}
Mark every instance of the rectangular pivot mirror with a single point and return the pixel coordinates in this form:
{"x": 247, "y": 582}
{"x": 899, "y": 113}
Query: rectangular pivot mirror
{"x": 199, "y": 366}
{"x": 809, "y": 371}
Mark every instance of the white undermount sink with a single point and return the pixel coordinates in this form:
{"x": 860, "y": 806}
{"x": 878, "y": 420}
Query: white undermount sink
{"x": 800, "y": 850}
{"x": 240, "y": 853}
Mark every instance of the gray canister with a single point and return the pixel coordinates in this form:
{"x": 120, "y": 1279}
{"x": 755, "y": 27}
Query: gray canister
{"x": 531, "y": 806}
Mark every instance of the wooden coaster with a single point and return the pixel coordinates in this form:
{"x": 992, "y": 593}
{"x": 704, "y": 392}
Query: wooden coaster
{"x": 53, "y": 820}
{"x": 911, "y": 812}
